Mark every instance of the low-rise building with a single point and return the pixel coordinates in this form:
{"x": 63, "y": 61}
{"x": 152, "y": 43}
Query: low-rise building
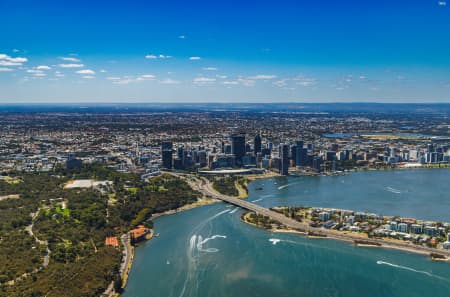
{"x": 112, "y": 241}
{"x": 324, "y": 216}
{"x": 402, "y": 227}
{"x": 138, "y": 233}
{"x": 416, "y": 229}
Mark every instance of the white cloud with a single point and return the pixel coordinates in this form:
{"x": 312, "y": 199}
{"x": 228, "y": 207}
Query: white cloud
{"x": 230, "y": 82}
{"x": 281, "y": 83}
{"x": 7, "y": 63}
{"x": 194, "y": 58}
{"x": 6, "y": 60}
{"x": 4, "y": 69}
{"x": 124, "y": 81}
{"x": 70, "y": 59}
{"x": 169, "y": 81}
{"x": 210, "y": 68}
{"x": 103, "y": 71}
{"x": 88, "y": 76}
{"x": 17, "y": 60}
{"x": 36, "y": 72}
{"x": 146, "y": 77}
{"x": 15, "y": 50}
{"x": 262, "y": 77}
{"x": 246, "y": 82}
{"x": 131, "y": 79}
{"x": 182, "y": 37}
{"x": 86, "y": 71}
{"x": 305, "y": 81}
{"x": 43, "y": 67}
{"x": 160, "y": 56}
{"x": 204, "y": 80}
{"x": 71, "y": 65}
{"x": 442, "y": 3}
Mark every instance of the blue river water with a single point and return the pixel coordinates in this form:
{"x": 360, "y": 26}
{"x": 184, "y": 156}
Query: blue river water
{"x": 209, "y": 252}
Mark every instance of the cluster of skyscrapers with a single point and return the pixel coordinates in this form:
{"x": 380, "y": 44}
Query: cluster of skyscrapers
{"x": 238, "y": 153}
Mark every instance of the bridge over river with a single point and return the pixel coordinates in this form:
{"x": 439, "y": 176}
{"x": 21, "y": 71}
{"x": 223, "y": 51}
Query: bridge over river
{"x": 204, "y": 186}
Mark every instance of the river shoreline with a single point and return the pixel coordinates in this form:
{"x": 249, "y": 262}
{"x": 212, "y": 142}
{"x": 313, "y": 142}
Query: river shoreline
{"x": 208, "y": 201}
{"x": 130, "y": 249}
{"x": 385, "y": 244}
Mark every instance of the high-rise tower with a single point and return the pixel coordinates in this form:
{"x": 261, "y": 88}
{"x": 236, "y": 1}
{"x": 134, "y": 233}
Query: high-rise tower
{"x": 238, "y": 147}
{"x": 257, "y": 144}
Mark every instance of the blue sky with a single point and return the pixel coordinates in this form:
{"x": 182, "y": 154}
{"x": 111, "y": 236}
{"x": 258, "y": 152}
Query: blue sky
{"x": 223, "y": 51}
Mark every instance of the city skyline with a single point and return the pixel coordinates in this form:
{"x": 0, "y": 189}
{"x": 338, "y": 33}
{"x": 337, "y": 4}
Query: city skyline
{"x": 233, "y": 52}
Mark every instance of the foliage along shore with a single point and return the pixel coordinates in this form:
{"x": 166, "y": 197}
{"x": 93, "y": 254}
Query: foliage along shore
{"x": 72, "y": 224}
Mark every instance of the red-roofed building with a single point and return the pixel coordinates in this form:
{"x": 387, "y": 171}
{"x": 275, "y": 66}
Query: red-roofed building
{"x": 112, "y": 241}
{"x": 409, "y": 220}
{"x": 138, "y": 233}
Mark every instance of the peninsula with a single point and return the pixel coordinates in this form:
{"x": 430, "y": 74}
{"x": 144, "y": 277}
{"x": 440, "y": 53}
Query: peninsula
{"x": 362, "y": 228}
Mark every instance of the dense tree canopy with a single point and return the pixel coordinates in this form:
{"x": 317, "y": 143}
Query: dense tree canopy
{"x": 74, "y": 223}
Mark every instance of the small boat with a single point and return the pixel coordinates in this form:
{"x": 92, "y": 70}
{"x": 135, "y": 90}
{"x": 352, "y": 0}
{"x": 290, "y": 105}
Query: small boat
{"x": 167, "y": 262}
{"x": 156, "y": 235}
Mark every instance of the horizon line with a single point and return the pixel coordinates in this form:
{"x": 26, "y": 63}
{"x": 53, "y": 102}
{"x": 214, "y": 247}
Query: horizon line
{"x": 220, "y": 102}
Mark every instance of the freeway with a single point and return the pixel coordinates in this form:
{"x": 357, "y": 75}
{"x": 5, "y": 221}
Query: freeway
{"x": 204, "y": 186}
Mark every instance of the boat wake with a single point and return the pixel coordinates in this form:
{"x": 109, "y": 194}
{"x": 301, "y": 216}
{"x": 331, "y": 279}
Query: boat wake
{"x": 392, "y": 190}
{"x": 234, "y": 210}
{"x": 195, "y": 247}
{"x": 410, "y": 269}
{"x": 268, "y": 196}
{"x": 285, "y": 186}
{"x": 201, "y": 242}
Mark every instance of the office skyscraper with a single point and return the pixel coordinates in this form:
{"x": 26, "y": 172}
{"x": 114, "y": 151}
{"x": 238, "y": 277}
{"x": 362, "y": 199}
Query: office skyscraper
{"x": 166, "y": 145}
{"x": 257, "y": 144}
{"x": 166, "y": 153}
{"x": 238, "y": 147}
{"x": 284, "y": 158}
{"x": 294, "y": 154}
{"x": 301, "y": 154}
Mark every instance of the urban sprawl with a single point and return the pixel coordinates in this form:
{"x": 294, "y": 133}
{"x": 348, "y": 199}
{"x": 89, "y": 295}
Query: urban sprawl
{"x": 227, "y": 143}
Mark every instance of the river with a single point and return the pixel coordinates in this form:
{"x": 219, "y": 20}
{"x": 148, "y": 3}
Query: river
{"x": 209, "y": 252}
